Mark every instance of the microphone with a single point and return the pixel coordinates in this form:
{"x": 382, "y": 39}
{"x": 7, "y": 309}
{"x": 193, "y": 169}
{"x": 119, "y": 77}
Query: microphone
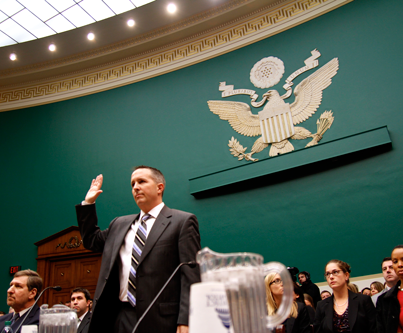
{"x": 57, "y": 288}
{"x": 191, "y": 264}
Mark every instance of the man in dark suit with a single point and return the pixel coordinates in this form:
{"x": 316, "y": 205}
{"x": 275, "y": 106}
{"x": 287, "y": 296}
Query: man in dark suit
{"x": 140, "y": 252}
{"x": 390, "y": 277}
{"x": 308, "y": 287}
{"x": 24, "y": 289}
{"x": 80, "y": 301}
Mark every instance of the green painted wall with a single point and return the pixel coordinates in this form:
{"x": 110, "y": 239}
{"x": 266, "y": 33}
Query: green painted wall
{"x": 347, "y": 208}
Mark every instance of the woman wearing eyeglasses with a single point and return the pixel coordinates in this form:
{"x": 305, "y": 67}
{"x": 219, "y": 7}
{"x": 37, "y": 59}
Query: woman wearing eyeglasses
{"x": 298, "y": 320}
{"x": 344, "y": 311}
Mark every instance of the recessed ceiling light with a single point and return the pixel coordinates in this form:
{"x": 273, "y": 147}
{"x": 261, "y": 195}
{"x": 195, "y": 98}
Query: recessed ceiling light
{"x": 13, "y": 56}
{"x": 52, "y": 47}
{"x": 91, "y": 36}
{"x": 130, "y": 23}
{"x": 171, "y": 8}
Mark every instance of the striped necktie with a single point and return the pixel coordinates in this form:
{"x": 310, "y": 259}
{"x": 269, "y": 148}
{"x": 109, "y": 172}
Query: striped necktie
{"x": 138, "y": 246}
{"x": 16, "y": 316}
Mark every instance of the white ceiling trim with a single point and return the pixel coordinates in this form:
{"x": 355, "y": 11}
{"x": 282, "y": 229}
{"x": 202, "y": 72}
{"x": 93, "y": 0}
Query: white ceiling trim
{"x": 172, "y": 57}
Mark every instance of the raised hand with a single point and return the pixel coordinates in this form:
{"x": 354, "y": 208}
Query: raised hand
{"x": 95, "y": 189}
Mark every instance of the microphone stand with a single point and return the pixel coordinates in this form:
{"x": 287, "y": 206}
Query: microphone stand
{"x": 57, "y": 288}
{"x": 190, "y": 263}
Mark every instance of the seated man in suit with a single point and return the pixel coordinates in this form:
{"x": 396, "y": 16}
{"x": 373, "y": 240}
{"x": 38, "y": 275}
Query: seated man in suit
{"x": 139, "y": 253}
{"x": 24, "y": 289}
{"x": 80, "y": 301}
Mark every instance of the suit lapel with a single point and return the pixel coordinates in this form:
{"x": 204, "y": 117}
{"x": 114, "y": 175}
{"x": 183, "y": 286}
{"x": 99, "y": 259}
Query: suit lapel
{"x": 352, "y": 309}
{"x": 119, "y": 237}
{"x": 329, "y": 313}
{"x": 83, "y": 323}
{"x": 160, "y": 224}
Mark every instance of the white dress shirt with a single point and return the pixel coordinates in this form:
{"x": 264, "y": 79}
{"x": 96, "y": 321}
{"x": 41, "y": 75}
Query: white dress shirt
{"x": 125, "y": 252}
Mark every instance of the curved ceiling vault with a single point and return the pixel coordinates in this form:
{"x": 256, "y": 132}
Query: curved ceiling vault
{"x": 157, "y": 44}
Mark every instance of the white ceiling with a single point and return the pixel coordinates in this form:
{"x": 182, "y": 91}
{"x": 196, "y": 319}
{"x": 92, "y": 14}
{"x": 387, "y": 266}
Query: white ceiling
{"x": 26, "y": 20}
{"x": 115, "y": 41}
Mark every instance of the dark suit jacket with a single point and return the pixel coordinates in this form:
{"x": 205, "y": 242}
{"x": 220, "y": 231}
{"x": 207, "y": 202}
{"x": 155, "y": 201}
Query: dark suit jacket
{"x": 361, "y": 314}
{"x": 299, "y": 324}
{"x": 173, "y": 239}
{"x": 32, "y": 319}
{"x": 388, "y": 311}
{"x": 85, "y": 323}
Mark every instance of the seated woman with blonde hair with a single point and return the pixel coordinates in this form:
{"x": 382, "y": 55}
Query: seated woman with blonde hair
{"x": 298, "y": 320}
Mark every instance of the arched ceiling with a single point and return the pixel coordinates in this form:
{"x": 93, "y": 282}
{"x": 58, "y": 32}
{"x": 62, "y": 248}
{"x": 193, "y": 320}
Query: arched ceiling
{"x": 158, "y": 43}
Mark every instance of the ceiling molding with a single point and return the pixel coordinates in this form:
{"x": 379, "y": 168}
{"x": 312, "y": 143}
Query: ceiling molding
{"x": 237, "y": 33}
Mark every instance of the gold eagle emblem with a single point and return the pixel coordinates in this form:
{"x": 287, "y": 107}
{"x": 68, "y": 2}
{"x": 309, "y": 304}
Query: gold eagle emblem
{"x": 275, "y": 123}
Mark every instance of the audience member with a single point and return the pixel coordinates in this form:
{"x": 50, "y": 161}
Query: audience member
{"x": 353, "y": 287}
{"x": 310, "y": 308}
{"x": 389, "y": 307}
{"x": 308, "y": 287}
{"x": 376, "y": 287}
{"x": 344, "y": 311}
{"x": 2, "y": 313}
{"x": 366, "y": 291}
{"x": 298, "y": 294}
{"x": 298, "y": 320}
{"x": 80, "y": 301}
{"x": 309, "y": 301}
{"x": 325, "y": 294}
{"x": 389, "y": 275}
{"x": 24, "y": 289}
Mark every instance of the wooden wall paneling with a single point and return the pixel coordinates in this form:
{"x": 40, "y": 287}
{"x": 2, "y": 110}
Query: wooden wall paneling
{"x": 88, "y": 271}
{"x": 63, "y": 261}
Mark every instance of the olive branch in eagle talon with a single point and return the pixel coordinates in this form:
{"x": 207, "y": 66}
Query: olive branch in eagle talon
{"x": 323, "y": 123}
{"x": 238, "y": 150}
{"x": 275, "y": 123}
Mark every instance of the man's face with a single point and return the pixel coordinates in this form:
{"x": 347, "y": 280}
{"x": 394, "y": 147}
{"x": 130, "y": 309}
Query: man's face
{"x": 389, "y": 273}
{"x": 302, "y": 278}
{"x": 79, "y": 303}
{"x": 366, "y": 292}
{"x": 18, "y": 295}
{"x": 325, "y": 295}
{"x": 146, "y": 191}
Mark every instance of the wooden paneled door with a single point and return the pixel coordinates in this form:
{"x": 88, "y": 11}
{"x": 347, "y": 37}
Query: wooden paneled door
{"x": 63, "y": 261}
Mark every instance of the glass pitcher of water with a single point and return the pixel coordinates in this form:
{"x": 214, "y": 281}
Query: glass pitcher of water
{"x": 59, "y": 319}
{"x": 243, "y": 277}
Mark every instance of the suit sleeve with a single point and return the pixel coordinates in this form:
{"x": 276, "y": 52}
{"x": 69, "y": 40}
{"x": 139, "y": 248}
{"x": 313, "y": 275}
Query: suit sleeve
{"x": 189, "y": 245}
{"x": 303, "y": 320}
{"x": 380, "y": 325}
{"x": 93, "y": 238}
{"x": 319, "y": 317}
{"x": 371, "y": 314}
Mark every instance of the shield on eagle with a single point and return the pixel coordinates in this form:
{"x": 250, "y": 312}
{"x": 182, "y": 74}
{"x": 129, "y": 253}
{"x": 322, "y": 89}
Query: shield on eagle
{"x": 276, "y": 123}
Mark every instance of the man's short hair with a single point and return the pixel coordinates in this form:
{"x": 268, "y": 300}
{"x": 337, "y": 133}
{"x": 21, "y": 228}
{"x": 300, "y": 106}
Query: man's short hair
{"x": 385, "y": 259}
{"x": 34, "y": 280}
{"x": 86, "y": 293}
{"x": 156, "y": 174}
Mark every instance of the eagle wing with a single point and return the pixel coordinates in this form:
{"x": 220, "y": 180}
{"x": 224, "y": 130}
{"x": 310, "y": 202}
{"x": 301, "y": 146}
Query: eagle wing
{"x": 308, "y": 94}
{"x": 238, "y": 115}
